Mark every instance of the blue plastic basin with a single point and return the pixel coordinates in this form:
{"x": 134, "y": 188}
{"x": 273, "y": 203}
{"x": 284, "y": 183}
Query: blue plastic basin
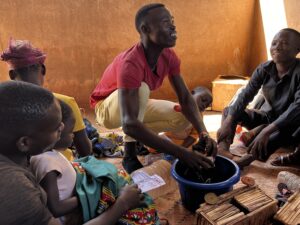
{"x": 192, "y": 193}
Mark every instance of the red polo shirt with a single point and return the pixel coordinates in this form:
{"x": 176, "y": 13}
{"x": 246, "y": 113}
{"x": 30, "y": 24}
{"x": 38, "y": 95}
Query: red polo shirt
{"x": 130, "y": 68}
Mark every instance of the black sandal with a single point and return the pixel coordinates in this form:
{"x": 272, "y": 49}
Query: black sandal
{"x": 285, "y": 160}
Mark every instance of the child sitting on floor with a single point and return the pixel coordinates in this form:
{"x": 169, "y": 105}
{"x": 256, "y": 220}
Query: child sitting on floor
{"x": 30, "y": 119}
{"x": 203, "y": 98}
{"x": 98, "y": 184}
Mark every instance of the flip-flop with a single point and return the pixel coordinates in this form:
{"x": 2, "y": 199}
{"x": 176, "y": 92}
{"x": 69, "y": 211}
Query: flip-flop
{"x": 283, "y": 160}
{"x": 291, "y": 159}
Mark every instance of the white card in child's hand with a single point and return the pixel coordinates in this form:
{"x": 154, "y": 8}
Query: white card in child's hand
{"x": 146, "y": 182}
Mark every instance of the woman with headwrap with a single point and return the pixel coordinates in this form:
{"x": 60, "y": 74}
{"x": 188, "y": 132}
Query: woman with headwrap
{"x": 26, "y": 63}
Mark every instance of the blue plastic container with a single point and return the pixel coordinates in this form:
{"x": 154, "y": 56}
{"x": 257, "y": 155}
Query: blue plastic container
{"x": 192, "y": 193}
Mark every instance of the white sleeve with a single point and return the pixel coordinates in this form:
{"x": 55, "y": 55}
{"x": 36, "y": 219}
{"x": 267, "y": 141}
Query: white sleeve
{"x": 44, "y": 163}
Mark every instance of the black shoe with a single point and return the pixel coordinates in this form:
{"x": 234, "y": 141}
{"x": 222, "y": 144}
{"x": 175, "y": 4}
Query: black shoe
{"x": 131, "y": 164}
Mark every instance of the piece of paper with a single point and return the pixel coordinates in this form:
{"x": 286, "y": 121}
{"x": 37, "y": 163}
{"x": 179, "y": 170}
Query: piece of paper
{"x": 146, "y": 182}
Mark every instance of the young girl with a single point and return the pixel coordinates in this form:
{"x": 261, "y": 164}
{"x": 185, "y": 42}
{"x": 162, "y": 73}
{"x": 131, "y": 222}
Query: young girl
{"x": 58, "y": 177}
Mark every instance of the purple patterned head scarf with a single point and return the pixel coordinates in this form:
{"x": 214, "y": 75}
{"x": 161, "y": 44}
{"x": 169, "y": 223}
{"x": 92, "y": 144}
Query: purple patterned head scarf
{"x": 20, "y": 53}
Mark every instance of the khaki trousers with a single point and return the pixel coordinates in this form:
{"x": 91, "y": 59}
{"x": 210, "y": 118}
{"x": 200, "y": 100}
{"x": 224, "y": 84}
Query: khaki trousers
{"x": 156, "y": 115}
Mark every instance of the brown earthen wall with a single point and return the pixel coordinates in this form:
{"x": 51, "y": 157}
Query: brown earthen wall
{"x": 292, "y": 9}
{"x": 82, "y": 37}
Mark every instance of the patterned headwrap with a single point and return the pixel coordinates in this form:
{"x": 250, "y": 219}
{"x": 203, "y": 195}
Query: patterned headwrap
{"x": 20, "y": 53}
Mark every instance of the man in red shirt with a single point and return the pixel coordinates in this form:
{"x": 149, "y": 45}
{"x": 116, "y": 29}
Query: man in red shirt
{"x": 121, "y": 98}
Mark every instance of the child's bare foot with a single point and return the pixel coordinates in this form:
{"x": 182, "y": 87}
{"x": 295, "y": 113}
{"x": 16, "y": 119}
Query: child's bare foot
{"x": 223, "y": 150}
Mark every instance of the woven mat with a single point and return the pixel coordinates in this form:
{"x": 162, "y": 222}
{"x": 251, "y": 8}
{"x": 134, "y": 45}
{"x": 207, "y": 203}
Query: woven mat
{"x": 169, "y": 204}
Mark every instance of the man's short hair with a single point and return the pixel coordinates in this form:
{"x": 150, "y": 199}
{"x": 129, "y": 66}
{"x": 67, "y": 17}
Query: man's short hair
{"x": 23, "y": 105}
{"x": 142, "y": 12}
{"x": 294, "y": 32}
{"x": 200, "y": 89}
